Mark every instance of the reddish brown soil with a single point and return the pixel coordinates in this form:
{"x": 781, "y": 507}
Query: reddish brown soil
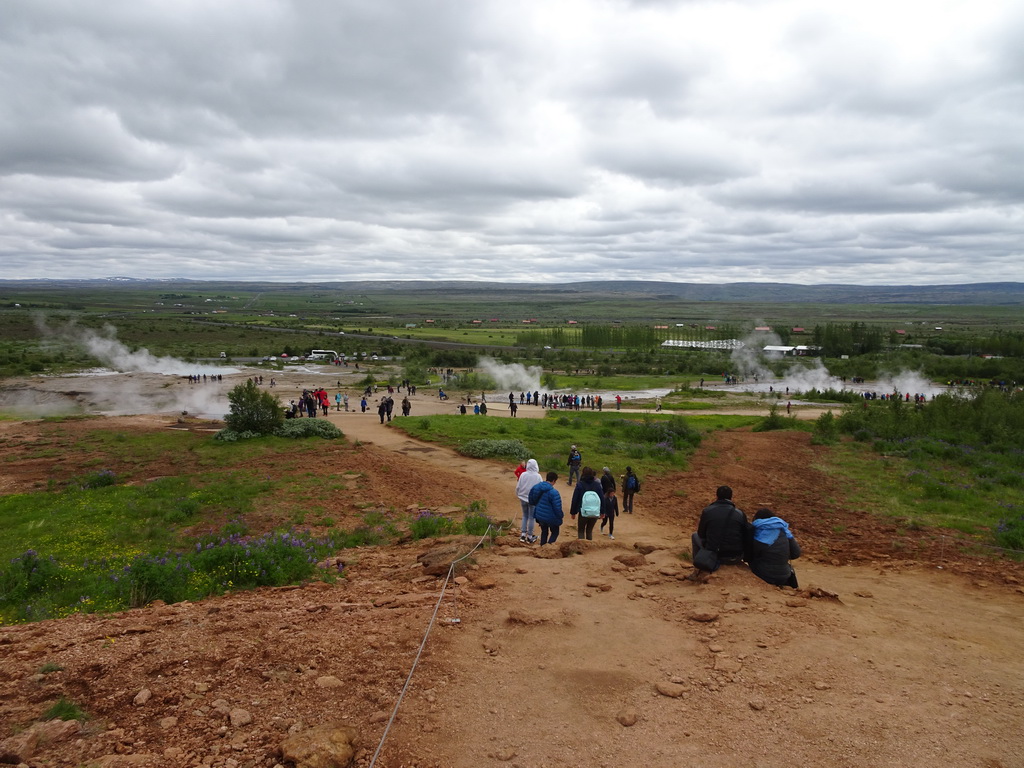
{"x": 899, "y": 651}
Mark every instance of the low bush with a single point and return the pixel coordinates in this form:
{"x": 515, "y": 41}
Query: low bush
{"x": 428, "y": 525}
{"x": 298, "y": 428}
{"x": 495, "y": 449}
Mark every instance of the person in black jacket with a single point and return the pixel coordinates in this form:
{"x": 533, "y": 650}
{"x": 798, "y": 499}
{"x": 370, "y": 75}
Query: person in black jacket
{"x": 770, "y": 548}
{"x": 722, "y": 530}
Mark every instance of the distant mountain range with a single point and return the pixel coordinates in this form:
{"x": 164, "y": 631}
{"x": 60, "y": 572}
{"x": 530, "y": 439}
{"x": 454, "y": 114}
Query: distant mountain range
{"x": 967, "y": 293}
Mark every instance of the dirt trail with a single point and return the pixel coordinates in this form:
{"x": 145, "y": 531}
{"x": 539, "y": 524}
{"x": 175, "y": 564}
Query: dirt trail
{"x": 552, "y": 665}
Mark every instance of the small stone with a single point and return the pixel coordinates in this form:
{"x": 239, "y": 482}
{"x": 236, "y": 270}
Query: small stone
{"x": 672, "y": 690}
{"x": 329, "y": 681}
{"x": 379, "y": 716}
{"x": 821, "y": 686}
{"x": 505, "y": 755}
{"x": 703, "y": 616}
{"x": 627, "y": 718}
{"x": 142, "y": 697}
{"x": 168, "y": 722}
{"x": 240, "y": 717}
{"x": 715, "y": 648}
{"x": 461, "y": 580}
{"x": 756, "y": 704}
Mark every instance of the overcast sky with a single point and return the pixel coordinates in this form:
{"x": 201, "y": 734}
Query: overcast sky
{"x": 767, "y": 140}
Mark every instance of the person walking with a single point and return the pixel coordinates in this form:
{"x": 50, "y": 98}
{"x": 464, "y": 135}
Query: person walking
{"x": 524, "y": 485}
{"x": 609, "y": 511}
{"x": 586, "y": 504}
{"x": 630, "y": 487}
{"x": 547, "y": 508}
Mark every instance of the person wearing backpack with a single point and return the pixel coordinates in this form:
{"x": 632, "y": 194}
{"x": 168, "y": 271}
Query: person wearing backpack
{"x": 586, "y": 504}
{"x": 574, "y": 462}
{"x": 547, "y": 508}
{"x": 630, "y": 487}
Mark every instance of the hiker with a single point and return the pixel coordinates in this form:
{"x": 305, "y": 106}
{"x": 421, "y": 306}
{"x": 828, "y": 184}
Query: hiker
{"x": 524, "y": 484}
{"x": 770, "y": 547}
{"x": 574, "y": 462}
{"x": 630, "y": 487}
{"x": 547, "y": 508}
{"x": 607, "y": 482}
{"x": 720, "y": 536}
{"x": 586, "y": 503}
{"x": 609, "y": 511}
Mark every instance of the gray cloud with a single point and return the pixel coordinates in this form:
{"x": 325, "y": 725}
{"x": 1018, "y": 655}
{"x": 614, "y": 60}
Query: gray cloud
{"x": 778, "y": 140}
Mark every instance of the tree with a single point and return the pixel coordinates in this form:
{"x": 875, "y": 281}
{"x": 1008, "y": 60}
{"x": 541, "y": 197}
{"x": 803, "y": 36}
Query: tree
{"x": 253, "y": 410}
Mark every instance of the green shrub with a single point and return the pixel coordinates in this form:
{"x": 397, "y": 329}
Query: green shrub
{"x": 298, "y": 428}
{"x": 65, "y": 709}
{"x": 253, "y": 410}
{"x": 826, "y": 430}
{"x": 427, "y": 525}
{"x": 101, "y": 479}
{"x": 493, "y": 449}
{"x": 1010, "y": 533}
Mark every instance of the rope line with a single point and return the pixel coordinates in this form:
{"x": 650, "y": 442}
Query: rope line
{"x": 423, "y": 643}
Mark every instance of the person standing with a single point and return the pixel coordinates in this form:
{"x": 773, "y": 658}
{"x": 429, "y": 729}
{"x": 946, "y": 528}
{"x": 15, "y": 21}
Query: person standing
{"x": 720, "y": 537}
{"x": 770, "y": 547}
{"x": 337, "y": 402}
{"x": 382, "y": 409}
{"x": 586, "y": 504}
{"x": 524, "y": 485}
{"x": 406, "y": 406}
{"x": 607, "y": 482}
{"x": 547, "y": 508}
{"x": 630, "y": 487}
{"x": 574, "y": 463}
{"x": 513, "y": 408}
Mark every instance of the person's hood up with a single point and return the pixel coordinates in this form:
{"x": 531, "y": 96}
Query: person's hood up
{"x": 767, "y": 529}
{"x": 532, "y": 466}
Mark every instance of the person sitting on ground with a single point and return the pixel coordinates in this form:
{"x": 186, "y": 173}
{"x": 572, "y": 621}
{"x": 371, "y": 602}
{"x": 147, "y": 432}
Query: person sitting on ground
{"x": 547, "y": 508}
{"x": 721, "y": 534}
{"x": 770, "y": 547}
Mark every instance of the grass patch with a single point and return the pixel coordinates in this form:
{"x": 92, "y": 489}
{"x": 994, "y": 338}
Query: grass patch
{"x": 65, "y": 709}
{"x": 655, "y": 443}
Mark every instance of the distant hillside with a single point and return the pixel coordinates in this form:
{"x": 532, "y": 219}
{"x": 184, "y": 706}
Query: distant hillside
{"x": 990, "y": 294}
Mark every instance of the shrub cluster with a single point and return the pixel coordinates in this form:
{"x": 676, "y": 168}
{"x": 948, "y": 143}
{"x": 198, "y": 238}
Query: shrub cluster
{"x": 292, "y": 428}
{"x": 495, "y": 449}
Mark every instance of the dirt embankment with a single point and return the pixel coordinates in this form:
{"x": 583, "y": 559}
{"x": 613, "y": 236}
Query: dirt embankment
{"x": 605, "y": 658}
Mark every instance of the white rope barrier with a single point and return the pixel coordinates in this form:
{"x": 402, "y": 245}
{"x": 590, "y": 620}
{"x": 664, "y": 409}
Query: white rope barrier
{"x": 423, "y": 643}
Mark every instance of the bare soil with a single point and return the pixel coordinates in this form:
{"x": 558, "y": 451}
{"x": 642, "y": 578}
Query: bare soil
{"x": 897, "y": 650}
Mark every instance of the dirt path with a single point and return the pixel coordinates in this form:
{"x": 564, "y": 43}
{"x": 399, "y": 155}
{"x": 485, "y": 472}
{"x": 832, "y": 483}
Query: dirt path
{"x": 585, "y": 660}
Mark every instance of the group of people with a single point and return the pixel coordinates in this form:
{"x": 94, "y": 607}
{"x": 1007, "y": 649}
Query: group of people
{"x": 594, "y": 499}
{"x": 310, "y": 401}
{"x": 724, "y": 536}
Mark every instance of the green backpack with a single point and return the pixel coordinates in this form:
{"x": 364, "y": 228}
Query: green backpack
{"x": 590, "y": 504}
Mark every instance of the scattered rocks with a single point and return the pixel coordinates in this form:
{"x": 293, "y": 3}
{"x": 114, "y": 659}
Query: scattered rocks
{"x": 331, "y": 745}
{"x": 600, "y": 586}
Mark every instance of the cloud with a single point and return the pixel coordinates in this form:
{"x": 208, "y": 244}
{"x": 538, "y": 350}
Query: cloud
{"x": 776, "y": 140}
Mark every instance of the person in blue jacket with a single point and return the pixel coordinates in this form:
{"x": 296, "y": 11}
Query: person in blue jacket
{"x": 770, "y": 548}
{"x": 547, "y": 503}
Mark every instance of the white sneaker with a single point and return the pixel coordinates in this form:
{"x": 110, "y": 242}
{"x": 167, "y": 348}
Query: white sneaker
{"x": 612, "y": 538}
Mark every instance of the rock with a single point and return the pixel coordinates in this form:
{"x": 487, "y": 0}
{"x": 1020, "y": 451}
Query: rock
{"x": 672, "y": 573}
{"x": 239, "y": 717}
{"x": 505, "y": 755}
{"x": 438, "y": 561}
{"x": 329, "y": 681}
{"x": 756, "y": 704}
{"x": 794, "y": 603}
{"x": 19, "y": 748}
{"x": 461, "y": 580}
{"x": 627, "y": 718}
{"x": 715, "y": 648}
{"x": 484, "y": 582}
{"x": 331, "y": 745}
{"x": 821, "y": 686}
{"x": 168, "y": 722}
{"x": 672, "y": 690}
{"x": 57, "y": 730}
{"x": 380, "y": 716}
{"x": 866, "y": 595}
{"x": 142, "y": 697}
{"x": 631, "y": 559}
{"x": 703, "y": 616}
{"x": 600, "y": 586}
{"x": 727, "y": 665}
{"x": 646, "y": 547}
{"x": 400, "y": 601}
